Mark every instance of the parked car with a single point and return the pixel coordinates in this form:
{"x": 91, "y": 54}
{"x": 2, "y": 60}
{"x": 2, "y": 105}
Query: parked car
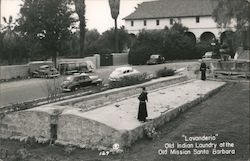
{"x": 76, "y": 81}
{"x": 68, "y": 68}
{"x": 45, "y": 71}
{"x": 156, "y": 59}
{"x": 121, "y": 72}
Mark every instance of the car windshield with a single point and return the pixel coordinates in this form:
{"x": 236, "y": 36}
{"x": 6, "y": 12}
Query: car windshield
{"x": 122, "y": 71}
{"x": 154, "y": 56}
{"x": 70, "y": 78}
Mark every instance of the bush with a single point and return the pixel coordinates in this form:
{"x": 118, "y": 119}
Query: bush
{"x": 165, "y": 72}
{"x": 171, "y": 43}
{"x": 129, "y": 81}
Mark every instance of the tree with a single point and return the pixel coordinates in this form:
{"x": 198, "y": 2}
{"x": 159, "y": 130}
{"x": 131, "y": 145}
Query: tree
{"x": 91, "y": 41}
{"x": 171, "y": 43}
{"x": 80, "y": 10}
{"x": 9, "y": 40}
{"x": 45, "y": 24}
{"x": 114, "y": 8}
{"x": 228, "y": 11}
{"x": 107, "y": 40}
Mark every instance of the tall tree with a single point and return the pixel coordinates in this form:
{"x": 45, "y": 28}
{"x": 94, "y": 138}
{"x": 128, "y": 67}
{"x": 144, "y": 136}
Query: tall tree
{"x": 229, "y": 11}
{"x": 114, "y": 8}
{"x": 80, "y": 10}
{"x": 46, "y": 23}
{"x": 9, "y": 39}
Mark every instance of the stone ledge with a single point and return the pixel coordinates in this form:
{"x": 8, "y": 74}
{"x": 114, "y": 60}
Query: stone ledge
{"x": 123, "y": 122}
{"x": 36, "y": 122}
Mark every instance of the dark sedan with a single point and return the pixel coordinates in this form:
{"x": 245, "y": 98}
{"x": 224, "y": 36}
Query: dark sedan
{"x": 76, "y": 81}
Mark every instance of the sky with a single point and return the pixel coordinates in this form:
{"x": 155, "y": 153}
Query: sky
{"x": 98, "y": 14}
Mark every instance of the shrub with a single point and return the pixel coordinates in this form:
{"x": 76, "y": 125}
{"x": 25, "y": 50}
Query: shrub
{"x": 129, "y": 80}
{"x": 165, "y": 72}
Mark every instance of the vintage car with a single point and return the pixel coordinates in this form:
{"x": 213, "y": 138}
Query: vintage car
{"x": 68, "y": 68}
{"x": 77, "y": 81}
{"x": 121, "y": 72}
{"x": 45, "y": 71}
{"x": 156, "y": 59}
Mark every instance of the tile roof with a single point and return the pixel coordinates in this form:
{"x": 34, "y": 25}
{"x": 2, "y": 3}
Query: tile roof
{"x": 173, "y": 8}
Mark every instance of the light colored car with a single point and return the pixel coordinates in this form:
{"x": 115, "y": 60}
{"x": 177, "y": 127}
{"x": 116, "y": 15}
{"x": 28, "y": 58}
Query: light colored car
{"x": 208, "y": 55}
{"x": 122, "y": 72}
{"x": 77, "y": 81}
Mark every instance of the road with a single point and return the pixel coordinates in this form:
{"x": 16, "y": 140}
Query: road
{"x": 24, "y": 90}
{"x": 225, "y": 114}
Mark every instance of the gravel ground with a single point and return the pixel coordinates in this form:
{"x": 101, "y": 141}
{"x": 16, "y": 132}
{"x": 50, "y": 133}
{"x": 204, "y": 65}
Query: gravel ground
{"x": 224, "y": 116}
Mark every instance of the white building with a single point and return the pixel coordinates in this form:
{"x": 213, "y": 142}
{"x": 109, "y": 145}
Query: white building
{"x": 196, "y": 15}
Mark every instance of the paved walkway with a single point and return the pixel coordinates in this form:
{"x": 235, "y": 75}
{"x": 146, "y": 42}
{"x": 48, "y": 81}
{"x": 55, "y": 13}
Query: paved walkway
{"x": 123, "y": 115}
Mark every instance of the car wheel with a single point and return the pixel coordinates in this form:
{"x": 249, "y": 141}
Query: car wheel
{"x": 75, "y": 88}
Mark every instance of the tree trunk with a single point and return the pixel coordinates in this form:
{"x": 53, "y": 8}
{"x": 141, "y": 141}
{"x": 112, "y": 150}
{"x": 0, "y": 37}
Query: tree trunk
{"x": 116, "y": 38}
{"x": 82, "y": 38}
{"x": 54, "y": 57}
{"x": 80, "y": 10}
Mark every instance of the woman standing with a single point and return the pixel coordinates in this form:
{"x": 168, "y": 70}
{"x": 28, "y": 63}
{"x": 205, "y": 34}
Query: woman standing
{"x": 142, "y": 112}
{"x": 203, "y": 69}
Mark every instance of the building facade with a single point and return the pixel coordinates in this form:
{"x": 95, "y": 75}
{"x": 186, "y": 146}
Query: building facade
{"x": 196, "y": 15}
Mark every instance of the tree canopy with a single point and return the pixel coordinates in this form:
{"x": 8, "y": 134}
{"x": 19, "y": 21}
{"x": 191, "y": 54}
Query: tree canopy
{"x": 229, "y": 10}
{"x": 238, "y": 11}
{"x": 45, "y": 24}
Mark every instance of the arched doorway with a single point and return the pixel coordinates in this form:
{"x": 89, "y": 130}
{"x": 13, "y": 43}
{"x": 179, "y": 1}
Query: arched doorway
{"x": 207, "y": 37}
{"x": 191, "y": 36}
{"x": 226, "y": 41}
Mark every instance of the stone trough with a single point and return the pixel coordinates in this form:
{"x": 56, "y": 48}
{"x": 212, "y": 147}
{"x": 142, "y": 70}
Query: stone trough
{"x": 100, "y": 120}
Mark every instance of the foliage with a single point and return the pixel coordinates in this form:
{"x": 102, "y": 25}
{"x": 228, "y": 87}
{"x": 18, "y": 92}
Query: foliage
{"x": 150, "y": 132}
{"x": 95, "y": 43}
{"x": 171, "y": 43}
{"x": 91, "y": 41}
{"x": 107, "y": 39}
{"x": 8, "y": 40}
{"x": 129, "y": 81}
{"x": 80, "y": 10}
{"x": 114, "y": 8}
{"x": 165, "y": 72}
{"x": 45, "y": 25}
{"x": 229, "y": 11}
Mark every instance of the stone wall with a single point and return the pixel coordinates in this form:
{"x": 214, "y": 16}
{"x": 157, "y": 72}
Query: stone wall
{"x": 120, "y": 58}
{"x": 86, "y": 133}
{"x": 106, "y": 97}
{"x": 13, "y": 71}
{"x": 21, "y": 71}
{"x": 55, "y": 121}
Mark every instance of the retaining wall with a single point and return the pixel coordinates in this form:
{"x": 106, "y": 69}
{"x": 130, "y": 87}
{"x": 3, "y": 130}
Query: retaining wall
{"x": 38, "y": 122}
{"x": 34, "y": 122}
{"x": 109, "y": 96}
{"x": 120, "y": 126}
{"x": 120, "y": 58}
{"x": 13, "y": 71}
{"x": 21, "y": 71}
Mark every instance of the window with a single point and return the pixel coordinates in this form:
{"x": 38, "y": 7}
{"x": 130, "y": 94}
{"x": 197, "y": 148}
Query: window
{"x": 157, "y": 22}
{"x": 171, "y": 21}
{"x": 132, "y": 23}
{"x": 145, "y": 22}
{"x": 197, "y": 19}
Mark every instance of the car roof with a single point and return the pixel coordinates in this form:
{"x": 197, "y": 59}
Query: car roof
{"x": 124, "y": 68}
{"x": 44, "y": 66}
